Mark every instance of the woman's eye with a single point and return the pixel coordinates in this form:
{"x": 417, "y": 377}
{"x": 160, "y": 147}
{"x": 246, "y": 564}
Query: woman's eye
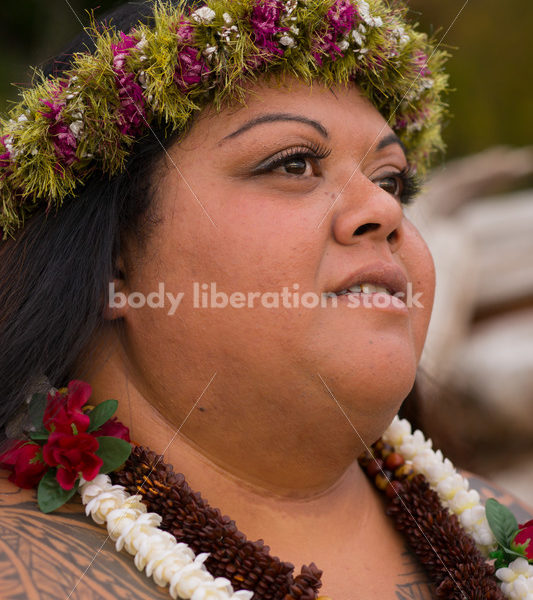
{"x": 391, "y": 184}
{"x": 298, "y": 162}
{"x": 295, "y": 166}
{"x": 403, "y": 185}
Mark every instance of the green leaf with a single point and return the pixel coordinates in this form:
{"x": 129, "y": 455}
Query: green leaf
{"x": 102, "y": 413}
{"x": 502, "y": 522}
{"x": 50, "y": 494}
{"x": 113, "y": 451}
{"x": 40, "y": 435}
{"x": 513, "y": 555}
{"x": 520, "y": 548}
{"x": 501, "y": 558}
{"x": 36, "y": 410}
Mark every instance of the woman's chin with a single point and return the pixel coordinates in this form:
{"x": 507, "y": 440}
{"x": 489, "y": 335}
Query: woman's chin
{"x": 368, "y": 356}
{"x": 371, "y": 382}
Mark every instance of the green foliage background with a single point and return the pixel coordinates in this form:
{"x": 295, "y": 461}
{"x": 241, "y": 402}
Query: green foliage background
{"x": 491, "y": 68}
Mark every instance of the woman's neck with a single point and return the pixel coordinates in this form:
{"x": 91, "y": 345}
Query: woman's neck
{"x": 323, "y": 482}
{"x": 297, "y": 446}
{"x": 293, "y": 525}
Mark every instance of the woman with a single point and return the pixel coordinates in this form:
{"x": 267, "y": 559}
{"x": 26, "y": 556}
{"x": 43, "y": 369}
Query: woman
{"x": 246, "y": 286}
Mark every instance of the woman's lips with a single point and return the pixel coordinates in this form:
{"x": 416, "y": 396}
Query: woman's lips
{"x": 382, "y": 301}
{"x": 387, "y": 276}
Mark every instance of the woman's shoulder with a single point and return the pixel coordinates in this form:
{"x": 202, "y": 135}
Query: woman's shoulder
{"x": 61, "y": 555}
{"x": 488, "y": 489}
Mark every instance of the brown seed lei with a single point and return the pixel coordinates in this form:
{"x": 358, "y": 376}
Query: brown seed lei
{"x": 190, "y": 519}
{"x": 449, "y": 555}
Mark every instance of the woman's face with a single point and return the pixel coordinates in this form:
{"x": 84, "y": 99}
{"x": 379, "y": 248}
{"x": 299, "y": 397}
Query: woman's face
{"x": 241, "y": 214}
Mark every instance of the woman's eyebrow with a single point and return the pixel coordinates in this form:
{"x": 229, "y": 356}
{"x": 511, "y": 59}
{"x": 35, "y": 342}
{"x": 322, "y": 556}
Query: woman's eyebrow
{"x": 272, "y": 117}
{"x": 392, "y": 138}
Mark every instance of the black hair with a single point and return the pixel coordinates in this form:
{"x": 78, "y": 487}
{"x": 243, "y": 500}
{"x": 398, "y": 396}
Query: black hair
{"x": 54, "y": 274}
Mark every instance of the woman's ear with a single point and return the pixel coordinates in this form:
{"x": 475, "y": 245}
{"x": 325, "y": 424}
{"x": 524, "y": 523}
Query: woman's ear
{"x": 116, "y": 302}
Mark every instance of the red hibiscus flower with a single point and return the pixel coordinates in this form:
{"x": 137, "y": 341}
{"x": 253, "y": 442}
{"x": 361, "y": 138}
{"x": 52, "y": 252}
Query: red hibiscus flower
{"x": 72, "y": 455}
{"x": 63, "y": 410}
{"x": 525, "y": 536}
{"x": 113, "y": 428}
{"x": 25, "y": 462}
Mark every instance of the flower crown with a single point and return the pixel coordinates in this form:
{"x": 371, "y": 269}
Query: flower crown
{"x": 88, "y": 118}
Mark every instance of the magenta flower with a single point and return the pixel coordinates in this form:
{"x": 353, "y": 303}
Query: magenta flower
{"x": 265, "y": 25}
{"x": 413, "y": 120}
{"x": 420, "y": 61}
{"x": 190, "y": 69}
{"x": 378, "y": 57}
{"x": 184, "y": 32}
{"x": 131, "y": 117}
{"x": 342, "y": 17}
{"x": 400, "y": 123}
{"x": 122, "y": 50}
{"x": 63, "y": 139}
{"x": 5, "y": 158}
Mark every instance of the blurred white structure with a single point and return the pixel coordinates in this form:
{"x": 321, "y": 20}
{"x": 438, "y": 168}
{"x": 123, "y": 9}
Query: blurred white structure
{"x": 479, "y": 350}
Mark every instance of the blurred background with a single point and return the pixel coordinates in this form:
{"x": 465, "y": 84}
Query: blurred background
{"x": 475, "y": 385}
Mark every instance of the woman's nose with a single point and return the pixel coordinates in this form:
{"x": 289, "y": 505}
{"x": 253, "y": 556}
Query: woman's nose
{"x": 367, "y": 213}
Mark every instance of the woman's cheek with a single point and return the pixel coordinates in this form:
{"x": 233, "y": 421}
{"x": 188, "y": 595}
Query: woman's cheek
{"x": 420, "y": 268}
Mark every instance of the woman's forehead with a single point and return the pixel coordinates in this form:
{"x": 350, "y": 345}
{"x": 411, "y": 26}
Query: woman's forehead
{"x": 327, "y": 109}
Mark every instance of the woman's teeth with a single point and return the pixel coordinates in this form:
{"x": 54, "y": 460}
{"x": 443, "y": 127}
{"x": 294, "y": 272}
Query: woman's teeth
{"x": 365, "y": 288}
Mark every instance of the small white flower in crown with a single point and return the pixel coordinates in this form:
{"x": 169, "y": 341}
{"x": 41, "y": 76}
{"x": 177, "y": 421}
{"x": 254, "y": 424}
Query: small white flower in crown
{"x": 76, "y": 128}
{"x": 344, "y": 45}
{"x": 8, "y": 143}
{"x": 358, "y": 35}
{"x": 228, "y": 33}
{"x": 415, "y": 126}
{"x": 418, "y": 88}
{"x": 73, "y": 88}
{"x": 364, "y": 11}
{"x": 399, "y": 33}
{"x": 287, "y": 40}
{"x": 14, "y": 150}
{"x": 290, "y": 6}
{"x": 141, "y": 78}
{"x": 141, "y": 44}
{"x": 203, "y": 15}
{"x": 210, "y": 52}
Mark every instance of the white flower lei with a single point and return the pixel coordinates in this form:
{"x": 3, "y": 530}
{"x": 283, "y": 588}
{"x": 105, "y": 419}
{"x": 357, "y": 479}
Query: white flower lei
{"x": 174, "y": 564}
{"x": 170, "y": 563}
{"x": 452, "y": 488}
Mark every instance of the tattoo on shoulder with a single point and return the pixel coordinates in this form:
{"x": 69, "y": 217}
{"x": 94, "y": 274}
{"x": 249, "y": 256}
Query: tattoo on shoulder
{"x": 413, "y": 582}
{"x": 63, "y": 555}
